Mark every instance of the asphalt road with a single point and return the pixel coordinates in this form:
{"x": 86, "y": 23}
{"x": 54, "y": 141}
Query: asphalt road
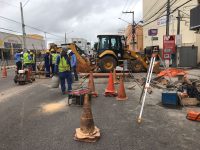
{"x": 6, "y": 83}
{"x": 35, "y": 117}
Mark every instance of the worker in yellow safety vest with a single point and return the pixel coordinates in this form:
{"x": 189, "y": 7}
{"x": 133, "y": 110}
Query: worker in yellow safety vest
{"x": 53, "y": 58}
{"x": 63, "y": 69}
{"x": 27, "y": 59}
{"x": 33, "y": 63}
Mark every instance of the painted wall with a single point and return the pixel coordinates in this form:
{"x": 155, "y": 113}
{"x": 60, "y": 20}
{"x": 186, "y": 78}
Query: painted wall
{"x": 150, "y": 8}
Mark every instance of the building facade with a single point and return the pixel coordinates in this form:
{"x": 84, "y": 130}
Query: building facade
{"x": 83, "y": 44}
{"x": 154, "y": 18}
{"x": 10, "y": 43}
{"x": 138, "y": 44}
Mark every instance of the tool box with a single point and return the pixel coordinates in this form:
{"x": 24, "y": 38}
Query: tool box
{"x": 170, "y": 98}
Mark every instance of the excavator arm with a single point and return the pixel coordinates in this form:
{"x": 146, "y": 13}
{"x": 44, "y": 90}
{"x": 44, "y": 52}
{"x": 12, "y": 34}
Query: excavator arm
{"x": 83, "y": 64}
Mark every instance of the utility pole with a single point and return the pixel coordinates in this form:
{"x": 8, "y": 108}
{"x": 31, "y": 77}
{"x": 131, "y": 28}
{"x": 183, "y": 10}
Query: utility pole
{"x": 65, "y": 38}
{"x": 133, "y": 27}
{"x": 23, "y": 26}
{"x": 179, "y": 22}
{"x": 168, "y": 15}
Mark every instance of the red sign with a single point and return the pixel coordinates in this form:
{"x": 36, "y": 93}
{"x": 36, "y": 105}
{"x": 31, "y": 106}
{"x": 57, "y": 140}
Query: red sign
{"x": 169, "y": 46}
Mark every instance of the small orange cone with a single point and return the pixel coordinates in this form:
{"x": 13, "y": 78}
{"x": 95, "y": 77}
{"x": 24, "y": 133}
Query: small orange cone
{"x": 121, "y": 91}
{"x": 4, "y": 72}
{"x": 110, "y": 90}
{"x": 91, "y": 85}
{"x": 115, "y": 77}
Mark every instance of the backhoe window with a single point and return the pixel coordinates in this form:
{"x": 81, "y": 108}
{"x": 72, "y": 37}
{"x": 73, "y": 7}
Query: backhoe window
{"x": 104, "y": 43}
{"x": 113, "y": 43}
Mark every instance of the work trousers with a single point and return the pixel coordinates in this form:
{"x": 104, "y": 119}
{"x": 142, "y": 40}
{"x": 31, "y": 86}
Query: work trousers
{"x": 19, "y": 65}
{"x": 65, "y": 76}
{"x": 33, "y": 67}
{"x": 47, "y": 70}
{"x": 75, "y": 73}
{"x": 53, "y": 68}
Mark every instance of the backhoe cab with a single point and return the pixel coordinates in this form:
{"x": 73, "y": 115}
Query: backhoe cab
{"x": 112, "y": 50}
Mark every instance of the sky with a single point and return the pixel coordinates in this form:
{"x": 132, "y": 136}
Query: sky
{"x": 78, "y": 18}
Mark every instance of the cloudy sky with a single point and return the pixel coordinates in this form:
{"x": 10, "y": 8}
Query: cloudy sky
{"x": 86, "y": 18}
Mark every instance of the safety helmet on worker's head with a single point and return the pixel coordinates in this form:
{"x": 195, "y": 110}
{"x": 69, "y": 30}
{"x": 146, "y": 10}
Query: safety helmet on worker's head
{"x": 69, "y": 51}
{"x": 47, "y": 51}
{"x": 52, "y": 50}
{"x": 64, "y": 49}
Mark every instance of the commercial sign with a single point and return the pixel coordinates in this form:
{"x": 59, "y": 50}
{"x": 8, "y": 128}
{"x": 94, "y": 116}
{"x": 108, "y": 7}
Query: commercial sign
{"x": 163, "y": 21}
{"x": 152, "y": 32}
{"x": 169, "y": 46}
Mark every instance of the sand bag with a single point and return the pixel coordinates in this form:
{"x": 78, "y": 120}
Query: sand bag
{"x": 55, "y": 82}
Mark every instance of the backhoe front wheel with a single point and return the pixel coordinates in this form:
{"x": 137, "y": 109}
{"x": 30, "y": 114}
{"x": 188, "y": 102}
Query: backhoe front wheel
{"x": 107, "y": 63}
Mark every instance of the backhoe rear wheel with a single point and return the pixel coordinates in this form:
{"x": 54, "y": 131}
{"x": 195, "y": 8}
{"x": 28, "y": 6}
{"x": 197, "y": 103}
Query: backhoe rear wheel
{"x": 135, "y": 66}
{"x": 107, "y": 63}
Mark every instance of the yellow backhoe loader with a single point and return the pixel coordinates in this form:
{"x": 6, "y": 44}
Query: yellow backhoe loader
{"x": 112, "y": 50}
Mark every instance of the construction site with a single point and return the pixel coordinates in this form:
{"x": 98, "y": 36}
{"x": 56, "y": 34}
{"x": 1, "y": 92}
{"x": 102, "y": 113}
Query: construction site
{"x": 136, "y": 87}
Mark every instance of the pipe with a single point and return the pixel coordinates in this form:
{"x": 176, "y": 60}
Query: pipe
{"x": 101, "y": 75}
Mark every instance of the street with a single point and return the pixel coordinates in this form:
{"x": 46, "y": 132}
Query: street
{"x": 36, "y": 117}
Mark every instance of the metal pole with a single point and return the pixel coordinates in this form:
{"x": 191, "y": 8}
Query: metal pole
{"x": 168, "y": 15}
{"x": 178, "y": 23}
{"x": 65, "y": 38}
{"x": 23, "y": 26}
{"x": 133, "y": 32}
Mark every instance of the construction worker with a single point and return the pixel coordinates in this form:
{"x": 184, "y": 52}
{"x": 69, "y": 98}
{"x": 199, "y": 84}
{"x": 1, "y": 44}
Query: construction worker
{"x": 47, "y": 63}
{"x": 33, "y": 61}
{"x": 73, "y": 62}
{"x": 27, "y": 59}
{"x": 63, "y": 68}
{"x": 18, "y": 60}
{"x": 53, "y": 58}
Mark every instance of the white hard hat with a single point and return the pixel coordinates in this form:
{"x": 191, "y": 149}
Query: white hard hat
{"x": 22, "y": 52}
{"x": 69, "y": 51}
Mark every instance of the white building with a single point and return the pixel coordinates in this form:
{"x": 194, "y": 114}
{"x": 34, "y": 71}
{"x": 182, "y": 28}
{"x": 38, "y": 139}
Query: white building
{"x": 9, "y": 43}
{"x": 83, "y": 44}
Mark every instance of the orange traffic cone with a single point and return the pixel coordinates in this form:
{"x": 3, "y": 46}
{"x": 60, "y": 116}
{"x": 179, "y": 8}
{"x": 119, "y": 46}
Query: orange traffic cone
{"x": 110, "y": 90}
{"x": 4, "y": 72}
{"x": 115, "y": 77}
{"x": 121, "y": 91}
{"x": 91, "y": 85}
{"x": 87, "y": 132}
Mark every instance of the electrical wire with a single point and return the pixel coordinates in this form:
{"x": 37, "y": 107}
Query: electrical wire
{"x": 146, "y": 13}
{"x": 26, "y": 3}
{"x": 9, "y": 30}
{"x": 172, "y": 3}
{"x": 170, "y": 13}
{"x": 9, "y": 4}
{"x": 31, "y": 27}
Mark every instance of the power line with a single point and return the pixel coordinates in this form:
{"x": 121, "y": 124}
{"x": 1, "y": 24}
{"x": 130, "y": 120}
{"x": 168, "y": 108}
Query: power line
{"x": 146, "y": 13}
{"x": 9, "y": 30}
{"x": 156, "y": 12}
{"x": 26, "y": 3}
{"x": 173, "y": 2}
{"x": 8, "y": 4}
{"x": 31, "y": 27}
{"x": 170, "y": 12}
